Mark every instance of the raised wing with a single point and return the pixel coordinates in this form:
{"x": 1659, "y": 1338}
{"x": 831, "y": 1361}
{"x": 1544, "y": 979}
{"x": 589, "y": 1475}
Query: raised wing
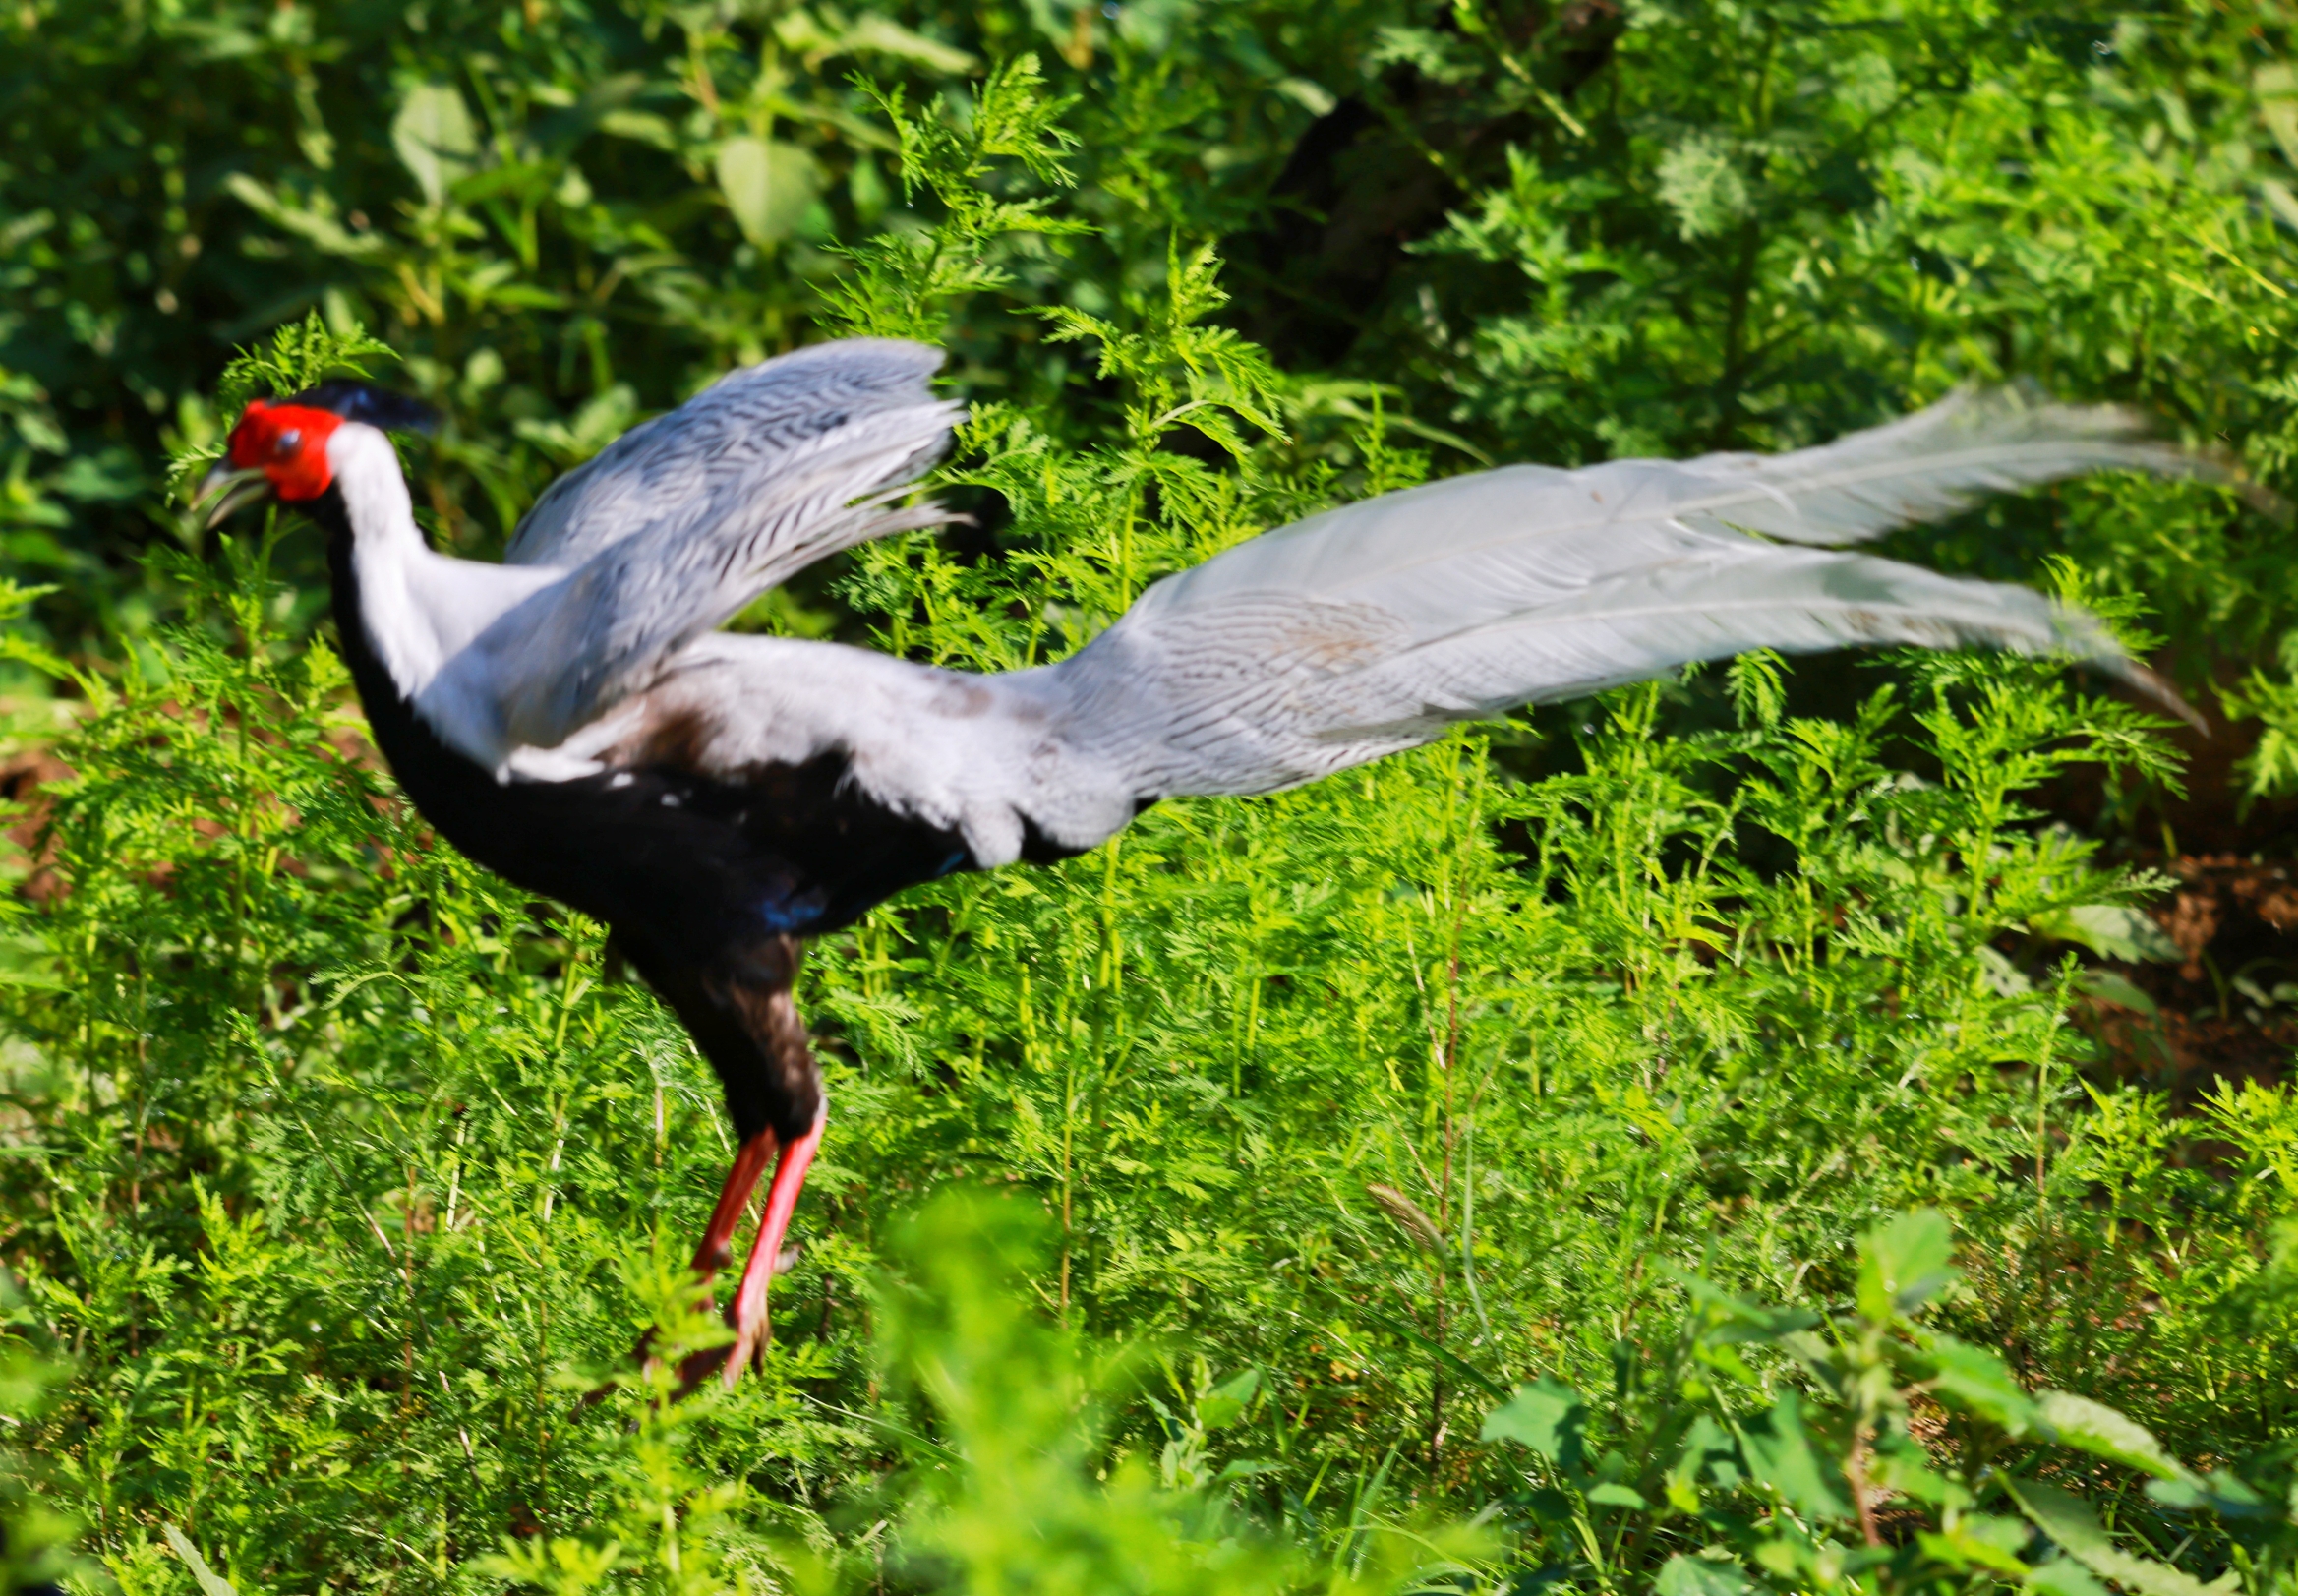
{"x": 1370, "y": 629}
{"x": 709, "y": 463}
{"x": 678, "y": 523}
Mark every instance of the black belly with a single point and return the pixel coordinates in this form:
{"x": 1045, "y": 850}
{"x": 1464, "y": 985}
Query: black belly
{"x": 692, "y": 864}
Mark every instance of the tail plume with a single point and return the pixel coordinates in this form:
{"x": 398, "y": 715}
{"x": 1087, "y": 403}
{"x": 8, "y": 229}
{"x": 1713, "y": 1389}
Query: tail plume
{"x": 1370, "y": 629}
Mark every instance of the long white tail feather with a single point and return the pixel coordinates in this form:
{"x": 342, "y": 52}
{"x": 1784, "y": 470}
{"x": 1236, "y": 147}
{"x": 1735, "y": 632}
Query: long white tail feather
{"x": 1528, "y": 528}
{"x": 1370, "y": 629}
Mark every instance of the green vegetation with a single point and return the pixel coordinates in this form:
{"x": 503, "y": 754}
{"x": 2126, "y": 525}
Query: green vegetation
{"x": 1747, "y": 1133}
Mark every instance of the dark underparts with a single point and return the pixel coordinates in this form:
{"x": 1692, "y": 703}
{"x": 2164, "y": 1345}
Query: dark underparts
{"x": 707, "y": 885}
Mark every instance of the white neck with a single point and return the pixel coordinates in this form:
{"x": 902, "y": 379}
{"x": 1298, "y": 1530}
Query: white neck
{"x": 386, "y": 554}
{"x": 375, "y": 491}
{"x": 419, "y": 608}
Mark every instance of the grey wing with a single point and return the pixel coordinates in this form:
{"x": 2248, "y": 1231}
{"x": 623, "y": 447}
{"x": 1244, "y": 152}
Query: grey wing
{"x": 721, "y": 449}
{"x": 678, "y": 524}
{"x": 1371, "y": 629}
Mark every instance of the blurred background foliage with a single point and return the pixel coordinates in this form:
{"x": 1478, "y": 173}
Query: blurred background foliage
{"x": 1490, "y": 1135}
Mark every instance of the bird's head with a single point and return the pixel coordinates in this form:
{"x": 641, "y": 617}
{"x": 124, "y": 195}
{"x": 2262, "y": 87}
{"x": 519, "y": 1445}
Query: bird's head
{"x": 280, "y": 446}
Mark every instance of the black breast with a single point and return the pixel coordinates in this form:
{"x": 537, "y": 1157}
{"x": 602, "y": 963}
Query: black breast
{"x": 691, "y": 863}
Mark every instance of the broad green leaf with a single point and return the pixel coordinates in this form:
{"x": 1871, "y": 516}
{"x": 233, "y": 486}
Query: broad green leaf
{"x": 2276, "y": 86}
{"x": 1780, "y": 1456}
{"x": 2003, "y": 976}
{"x": 768, "y": 185}
{"x": 2105, "y": 1433}
{"x": 2002, "y": 1535}
{"x": 2110, "y": 930}
{"x": 1980, "y": 1540}
{"x": 1546, "y": 1416}
{"x": 1709, "y": 1453}
{"x": 1225, "y": 1404}
{"x": 603, "y": 418}
{"x": 1609, "y": 1494}
{"x": 1978, "y": 1382}
{"x": 2280, "y": 201}
{"x": 2062, "y": 1515}
{"x": 1736, "y": 1320}
{"x": 1904, "y": 1262}
{"x": 2118, "y": 989}
{"x": 2064, "y": 1576}
{"x": 2068, "y": 1519}
{"x": 885, "y": 36}
{"x": 315, "y": 222}
{"x": 1684, "y": 1575}
{"x": 872, "y": 33}
{"x": 1901, "y": 1464}
{"x": 434, "y": 137}
{"x": 640, "y": 127}
{"x": 2220, "y": 1492}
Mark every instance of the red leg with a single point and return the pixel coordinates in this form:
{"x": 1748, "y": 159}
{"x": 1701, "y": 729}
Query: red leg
{"x": 715, "y": 1252}
{"x": 749, "y": 1310}
{"x": 742, "y": 1178}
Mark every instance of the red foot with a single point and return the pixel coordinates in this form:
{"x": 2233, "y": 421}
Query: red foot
{"x": 767, "y": 1258}
{"x": 749, "y": 1314}
{"x": 742, "y": 1178}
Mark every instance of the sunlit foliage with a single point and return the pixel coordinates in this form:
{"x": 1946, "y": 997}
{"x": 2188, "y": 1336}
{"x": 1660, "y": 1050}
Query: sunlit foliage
{"x": 1517, "y": 1132}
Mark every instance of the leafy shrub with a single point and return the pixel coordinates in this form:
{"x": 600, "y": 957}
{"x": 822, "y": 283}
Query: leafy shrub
{"x": 1901, "y": 1424}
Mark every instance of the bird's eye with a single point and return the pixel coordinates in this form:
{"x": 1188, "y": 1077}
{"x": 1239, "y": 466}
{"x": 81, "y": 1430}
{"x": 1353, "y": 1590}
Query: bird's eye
{"x": 288, "y": 440}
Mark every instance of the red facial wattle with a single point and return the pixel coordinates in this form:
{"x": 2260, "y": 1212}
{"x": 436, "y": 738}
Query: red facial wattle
{"x": 287, "y": 443}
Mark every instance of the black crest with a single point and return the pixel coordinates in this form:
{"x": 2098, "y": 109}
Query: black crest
{"x": 375, "y": 406}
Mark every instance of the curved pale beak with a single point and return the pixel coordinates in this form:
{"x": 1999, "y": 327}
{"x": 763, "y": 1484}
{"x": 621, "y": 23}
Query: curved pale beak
{"x": 232, "y": 487}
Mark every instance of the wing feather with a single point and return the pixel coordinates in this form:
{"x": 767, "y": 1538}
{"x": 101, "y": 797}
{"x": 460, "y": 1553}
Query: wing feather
{"x": 705, "y": 464}
{"x": 681, "y": 521}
